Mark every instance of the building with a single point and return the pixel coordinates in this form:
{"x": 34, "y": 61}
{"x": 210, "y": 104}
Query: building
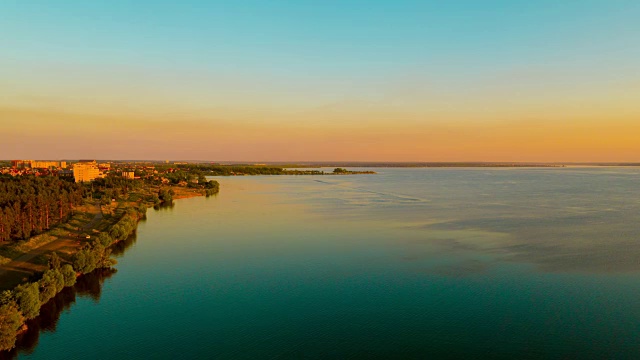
{"x": 86, "y": 170}
{"x": 38, "y": 164}
{"x": 21, "y": 164}
{"x": 65, "y": 174}
{"x": 128, "y": 174}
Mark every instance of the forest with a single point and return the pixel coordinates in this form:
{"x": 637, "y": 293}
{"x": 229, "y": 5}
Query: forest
{"x": 30, "y": 205}
{"x": 200, "y": 170}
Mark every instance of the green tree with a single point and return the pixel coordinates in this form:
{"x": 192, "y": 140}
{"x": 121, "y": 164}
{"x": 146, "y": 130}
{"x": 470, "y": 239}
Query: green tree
{"x": 51, "y": 283}
{"x": 105, "y": 239}
{"x": 6, "y": 297}
{"x": 30, "y": 204}
{"x": 11, "y": 320}
{"x": 92, "y": 257}
{"x": 82, "y": 261}
{"x": 68, "y": 274}
{"x": 28, "y": 299}
{"x": 155, "y": 200}
{"x": 165, "y": 196}
{"x": 54, "y": 261}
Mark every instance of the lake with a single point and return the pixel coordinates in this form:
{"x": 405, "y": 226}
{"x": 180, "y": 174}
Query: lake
{"x": 408, "y": 263}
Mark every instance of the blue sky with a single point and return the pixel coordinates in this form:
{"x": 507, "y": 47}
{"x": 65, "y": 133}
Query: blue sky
{"x": 419, "y": 63}
{"x": 321, "y": 37}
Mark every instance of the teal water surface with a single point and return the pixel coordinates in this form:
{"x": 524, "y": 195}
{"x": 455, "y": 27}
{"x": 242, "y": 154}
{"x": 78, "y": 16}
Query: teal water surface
{"x": 408, "y": 263}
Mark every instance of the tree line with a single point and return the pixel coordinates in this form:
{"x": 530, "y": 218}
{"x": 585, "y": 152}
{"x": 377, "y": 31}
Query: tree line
{"x": 25, "y": 300}
{"x": 189, "y": 171}
{"x": 30, "y": 205}
{"x": 113, "y": 187}
{"x": 219, "y": 170}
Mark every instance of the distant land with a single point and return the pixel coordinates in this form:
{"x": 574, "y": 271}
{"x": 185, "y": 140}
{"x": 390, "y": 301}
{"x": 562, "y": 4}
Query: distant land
{"x": 439, "y": 164}
{"x": 317, "y": 164}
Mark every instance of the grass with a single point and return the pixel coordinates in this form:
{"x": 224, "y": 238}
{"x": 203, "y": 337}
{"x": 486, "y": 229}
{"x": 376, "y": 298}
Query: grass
{"x": 13, "y": 251}
{"x": 16, "y": 249}
{"x": 34, "y": 242}
{"x": 9, "y": 251}
{"x": 43, "y": 259}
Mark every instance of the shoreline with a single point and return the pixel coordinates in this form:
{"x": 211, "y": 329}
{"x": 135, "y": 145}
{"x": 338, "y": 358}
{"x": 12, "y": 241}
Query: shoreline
{"x": 21, "y": 261}
{"x": 65, "y": 238}
{"x": 80, "y": 258}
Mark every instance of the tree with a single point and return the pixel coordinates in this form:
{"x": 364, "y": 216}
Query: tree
{"x": 11, "y": 321}
{"x": 51, "y": 283}
{"x": 92, "y": 257}
{"x": 82, "y": 262}
{"x": 117, "y": 232}
{"x": 105, "y": 239}
{"x": 165, "y": 196}
{"x": 28, "y": 299}
{"x": 28, "y": 204}
{"x": 6, "y": 297}
{"x": 68, "y": 274}
{"x": 54, "y": 261}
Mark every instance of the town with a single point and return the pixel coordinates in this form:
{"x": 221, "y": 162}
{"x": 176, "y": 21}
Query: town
{"x": 181, "y": 174}
{"x": 85, "y": 170}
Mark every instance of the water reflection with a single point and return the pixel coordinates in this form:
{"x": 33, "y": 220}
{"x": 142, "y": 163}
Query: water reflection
{"x": 89, "y": 285}
{"x": 120, "y": 247}
{"x": 164, "y": 207}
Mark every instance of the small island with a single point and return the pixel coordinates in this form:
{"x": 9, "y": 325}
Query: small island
{"x": 342, "y": 171}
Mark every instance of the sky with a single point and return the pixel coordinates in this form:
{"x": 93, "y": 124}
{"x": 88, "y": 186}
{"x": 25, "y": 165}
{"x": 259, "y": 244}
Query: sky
{"x": 251, "y": 80}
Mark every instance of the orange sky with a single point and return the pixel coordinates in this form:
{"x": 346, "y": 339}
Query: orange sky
{"x": 46, "y": 133}
{"x": 512, "y": 116}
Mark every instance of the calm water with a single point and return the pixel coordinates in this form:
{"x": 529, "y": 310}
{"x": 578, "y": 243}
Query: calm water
{"x": 513, "y": 263}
